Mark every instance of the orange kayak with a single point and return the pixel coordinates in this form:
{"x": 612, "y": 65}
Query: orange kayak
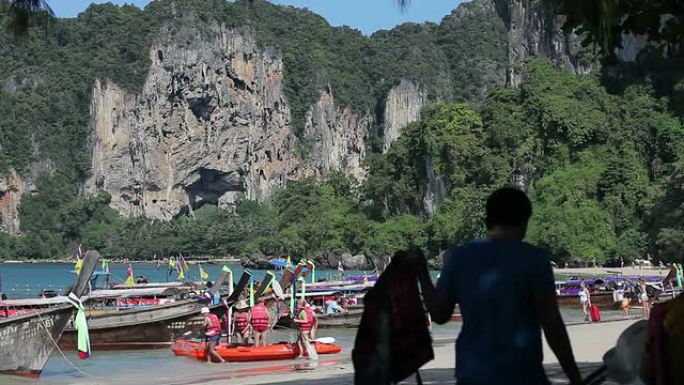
{"x": 232, "y": 353}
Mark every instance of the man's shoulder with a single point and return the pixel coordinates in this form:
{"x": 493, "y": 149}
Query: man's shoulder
{"x": 534, "y": 250}
{"x": 480, "y": 245}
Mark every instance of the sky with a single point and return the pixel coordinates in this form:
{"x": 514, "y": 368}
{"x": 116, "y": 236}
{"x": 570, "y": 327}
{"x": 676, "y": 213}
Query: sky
{"x": 365, "y": 15}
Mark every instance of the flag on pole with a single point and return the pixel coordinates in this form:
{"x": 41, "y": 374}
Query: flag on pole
{"x": 180, "y": 267}
{"x": 203, "y": 274}
{"x": 79, "y": 260}
{"x": 182, "y": 263}
{"x": 105, "y": 266}
{"x": 130, "y": 282}
{"x": 172, "y": 264}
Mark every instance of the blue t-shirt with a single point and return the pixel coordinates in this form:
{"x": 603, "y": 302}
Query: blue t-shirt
{"x": 493, "y": 281}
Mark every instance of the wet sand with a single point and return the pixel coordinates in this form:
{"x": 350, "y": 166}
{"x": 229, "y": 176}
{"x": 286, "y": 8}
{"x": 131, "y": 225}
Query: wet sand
{"x": 589, "y": 341}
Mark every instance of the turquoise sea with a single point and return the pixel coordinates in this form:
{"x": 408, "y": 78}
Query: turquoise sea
{"x": 26, "y": 280}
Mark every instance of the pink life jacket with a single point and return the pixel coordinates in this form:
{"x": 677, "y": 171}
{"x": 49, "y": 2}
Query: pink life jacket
{"x": 259, "y": 316}
{"x": 310, "y": 318}
{"x": 241, "y": 320}
{"x": 214, "y": 328}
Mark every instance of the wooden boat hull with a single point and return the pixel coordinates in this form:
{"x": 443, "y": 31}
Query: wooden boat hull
{"x": 26, "y": 341}
{"x": 350, "y": 319}
{"x": 151, "y": 328}
{"x": 604, "y": 300}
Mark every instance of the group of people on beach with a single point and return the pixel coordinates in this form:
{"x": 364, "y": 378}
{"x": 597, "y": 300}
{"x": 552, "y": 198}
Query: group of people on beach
{"x": 255, "y": 323}
{"x": 622, "y": 296}
{"x": 505, "y": 289}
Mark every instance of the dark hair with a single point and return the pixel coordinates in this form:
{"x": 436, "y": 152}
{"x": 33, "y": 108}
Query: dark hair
{"x": 508, "y": 206}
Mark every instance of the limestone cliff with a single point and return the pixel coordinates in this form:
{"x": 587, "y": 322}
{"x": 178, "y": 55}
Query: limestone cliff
{"x": 534, "y": 29}
{"x": 211, "y": 123}
{"x": 12, "y": 187}
{"x": 402, "y": 107}
{"x": 339, "y": 137}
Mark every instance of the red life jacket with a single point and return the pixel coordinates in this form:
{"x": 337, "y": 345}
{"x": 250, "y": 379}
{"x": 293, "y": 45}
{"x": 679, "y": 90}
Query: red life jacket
{"x": 214, "y": 328}
{"x": 310, "y": 319}
{"x": 259, "y": 316}
{"x": 241, "y": 320}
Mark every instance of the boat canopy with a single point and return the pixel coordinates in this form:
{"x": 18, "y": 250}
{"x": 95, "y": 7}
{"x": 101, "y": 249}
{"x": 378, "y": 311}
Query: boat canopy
{"x": 314, "y": 294}
{"x": 146, "y": 292}
{"x": 122, "y": 286}
{"x": 58, "y": 300}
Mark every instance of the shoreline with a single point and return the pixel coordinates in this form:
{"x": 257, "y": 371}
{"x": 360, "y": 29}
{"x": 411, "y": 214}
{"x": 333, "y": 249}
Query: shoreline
{"x": 583, "y": 271}
{"x": 118, "y": 261}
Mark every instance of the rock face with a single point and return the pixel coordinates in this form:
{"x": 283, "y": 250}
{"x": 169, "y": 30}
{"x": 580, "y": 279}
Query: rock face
{"x": 435, "y": 191}
{"x": 534, "y": 29}
{"x": 210, "y": 124}
{"x": 12, "y": 187}
{"x": 339, "y": 137}
{"x": 402, "y": 108}
{"x": 355, "y": 262}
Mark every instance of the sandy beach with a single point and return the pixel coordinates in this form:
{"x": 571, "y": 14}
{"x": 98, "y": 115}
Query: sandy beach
{"x": 589, "y": 341}
{"x": 607, "y": 271}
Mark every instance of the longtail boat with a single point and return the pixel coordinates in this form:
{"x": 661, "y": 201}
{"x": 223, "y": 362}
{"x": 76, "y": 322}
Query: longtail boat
{"x": 150, "y": 327}
{"x": 27, "y": 340}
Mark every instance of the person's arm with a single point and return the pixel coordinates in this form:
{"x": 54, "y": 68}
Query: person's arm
{"x": 545, "y": 304}
{"x": 440, "y": 308}
{"x": 439, "y": 304}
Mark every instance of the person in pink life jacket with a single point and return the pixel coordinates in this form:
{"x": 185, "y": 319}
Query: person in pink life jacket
{"x": 242, "y": 321}
{"x": 212, "y": 333}
{"x": 260, "y": 321}
{"x": 306, "y": 322}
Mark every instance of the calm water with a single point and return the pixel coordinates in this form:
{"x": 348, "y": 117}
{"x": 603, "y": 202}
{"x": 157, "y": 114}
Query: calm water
{"x": 27, "y": 280}
{"x": 151, "y": 367}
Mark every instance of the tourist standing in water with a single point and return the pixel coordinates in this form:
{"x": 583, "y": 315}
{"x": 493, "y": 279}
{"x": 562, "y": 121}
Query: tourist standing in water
{"x": 506, "y": 292}
{"x": 585, "y": 300}
{"x": 212, "y": 333}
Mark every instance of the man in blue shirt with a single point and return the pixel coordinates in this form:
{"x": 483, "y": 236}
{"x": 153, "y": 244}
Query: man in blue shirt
{"x": 333, "y": 307}
{"x": 505, "y": 290}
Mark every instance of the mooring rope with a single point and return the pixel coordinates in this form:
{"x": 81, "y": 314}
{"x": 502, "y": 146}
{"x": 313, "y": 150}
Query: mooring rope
{"x": 60, "y": 350}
